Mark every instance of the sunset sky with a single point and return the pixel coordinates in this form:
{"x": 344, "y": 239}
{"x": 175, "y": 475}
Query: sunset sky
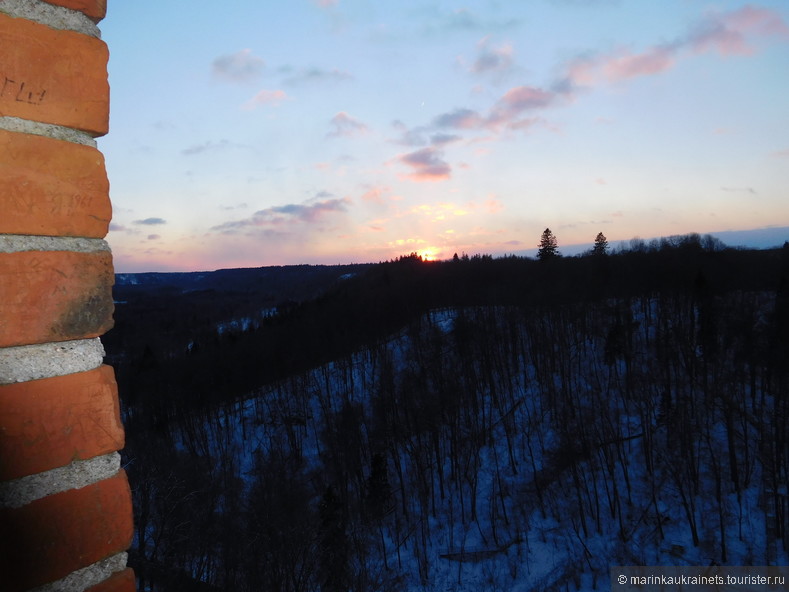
{"x": 251, "y": 132}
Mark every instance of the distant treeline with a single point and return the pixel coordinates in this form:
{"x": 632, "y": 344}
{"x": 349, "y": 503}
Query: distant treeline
{"x": 169, "y": 355}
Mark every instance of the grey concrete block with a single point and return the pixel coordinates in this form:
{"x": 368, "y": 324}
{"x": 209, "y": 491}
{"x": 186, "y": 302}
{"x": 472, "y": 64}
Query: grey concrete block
{"x": 78, "y": 474}
{"x": 58, "y": 132}
{"x": 84, "y": 578}
{"x": 33, "y": 362}
{"x": 17, "y": 243}
{"x": 56, "y": 17}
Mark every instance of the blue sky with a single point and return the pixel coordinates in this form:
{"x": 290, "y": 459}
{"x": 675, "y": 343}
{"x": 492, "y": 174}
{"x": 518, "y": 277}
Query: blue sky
{"x": 256, "y": 133}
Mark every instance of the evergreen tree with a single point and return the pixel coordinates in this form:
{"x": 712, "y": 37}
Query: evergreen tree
{"x": 600, "y": 245}
{"x": 548, "y": 247}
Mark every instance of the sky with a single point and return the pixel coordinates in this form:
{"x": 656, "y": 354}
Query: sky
{"x": 252, "y": 132}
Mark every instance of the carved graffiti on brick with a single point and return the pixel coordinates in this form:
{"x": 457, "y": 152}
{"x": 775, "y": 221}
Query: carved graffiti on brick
{"x": 21, "y": 92}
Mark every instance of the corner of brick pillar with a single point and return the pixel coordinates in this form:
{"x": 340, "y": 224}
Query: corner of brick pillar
{"x": 65, "y": 502}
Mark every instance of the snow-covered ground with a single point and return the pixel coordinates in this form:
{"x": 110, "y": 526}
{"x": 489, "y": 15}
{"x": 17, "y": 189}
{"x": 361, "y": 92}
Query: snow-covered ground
{"x": 526, "y": 451}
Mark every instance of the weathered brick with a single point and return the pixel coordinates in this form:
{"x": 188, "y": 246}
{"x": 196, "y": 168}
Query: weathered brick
{"x": 53, "y": 76}
{"x": 122, "y": 581}
{"x": 47, "y": 423}
{"x": 56, "y": 535}
{"x": 51, "y": 187}
{"x": 95, "y": 9}
{"x": 54, "y": 296}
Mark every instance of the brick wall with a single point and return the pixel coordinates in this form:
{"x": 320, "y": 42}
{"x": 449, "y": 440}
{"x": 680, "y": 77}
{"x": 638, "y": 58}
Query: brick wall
{"x": 65, "y": 504}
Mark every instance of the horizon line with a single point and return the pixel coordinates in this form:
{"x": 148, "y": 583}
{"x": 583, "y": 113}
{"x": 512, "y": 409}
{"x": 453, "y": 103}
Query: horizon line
{"x": 758, "y": 242}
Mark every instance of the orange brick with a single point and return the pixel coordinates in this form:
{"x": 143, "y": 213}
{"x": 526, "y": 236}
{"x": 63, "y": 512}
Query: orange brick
{"x": 95, "y": 9}
{"x": 56, "y": 535}
{"x": 47, "y": 423}
{"x": 54, "y": 296}
{"x": 53, "y": 76}
{"x": 122, "y": 581}
{"x": 51, "y": 187}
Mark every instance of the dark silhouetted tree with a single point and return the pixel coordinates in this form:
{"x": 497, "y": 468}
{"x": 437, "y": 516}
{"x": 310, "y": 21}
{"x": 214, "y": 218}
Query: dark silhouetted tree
{"x": 548, "y": 247}
{"x": 600, "y": 245}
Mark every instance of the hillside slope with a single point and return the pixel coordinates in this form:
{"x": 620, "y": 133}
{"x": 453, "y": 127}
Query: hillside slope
{"x": 472, "y": 425}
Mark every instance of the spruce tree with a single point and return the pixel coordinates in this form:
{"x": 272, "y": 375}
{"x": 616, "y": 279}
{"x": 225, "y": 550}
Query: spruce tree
{"x": 548, "y": 247}
{"x": 600, "y": 245}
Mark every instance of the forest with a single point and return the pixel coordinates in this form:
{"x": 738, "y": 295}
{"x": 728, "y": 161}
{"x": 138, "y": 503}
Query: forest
{"x": 474, "y": 424}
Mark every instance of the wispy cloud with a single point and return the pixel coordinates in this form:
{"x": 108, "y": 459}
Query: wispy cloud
{"x": 151, "y": 221}
{"x": 520, "y": 107}
{"x": 239, "y": 206}
{"x": 441, "y": 139}
{"x": 492, "y": 59}
{"x": 242, "y": 66}
{"x": 410, "y": 136}
{"x": 516, "y": 102}
{"x": 426, "y": 164}
{"x": 315, "y": 75}
{"x": 310, "y": 212}
{"x": 733, "y": 33}
{"x": 462, "y": 20}
{"x": 210, "y": 146}
{"x": 377, "y": 195}
{"x": 750, "y": 190}
{"x": 344, "y": 126}
{"x": 266, "y": 97}
{"x": 726, "y": 34}
{"x": 509, "y": 111}
{"x": 464, "y": 119}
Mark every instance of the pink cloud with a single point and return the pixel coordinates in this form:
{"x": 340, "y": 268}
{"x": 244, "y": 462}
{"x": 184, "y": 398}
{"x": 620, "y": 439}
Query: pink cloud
{"x": 516, "y": 101}
{"x": 459, "y": 119}
{"x": 493, "y": 205}
{"x": 266, "y": 97}
{"x": 376, "y": 195}
{"x": 524, "y": 124}
{"x": 620, "y": 64}
{"x": 626, "y": 65}
{"x": 492, "y": 59}
{"x": 507, "y": 111}
{"x": 758, "y": 20}
{"x": 718, "y": 38}
{"x": 344, "y": 126}
{"x": 426, "y": 165}
{"x": 726, "y": 34}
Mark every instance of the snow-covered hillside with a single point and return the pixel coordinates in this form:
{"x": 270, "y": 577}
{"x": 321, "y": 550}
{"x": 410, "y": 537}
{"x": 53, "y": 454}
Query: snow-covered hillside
{"x": 488, "y": 448}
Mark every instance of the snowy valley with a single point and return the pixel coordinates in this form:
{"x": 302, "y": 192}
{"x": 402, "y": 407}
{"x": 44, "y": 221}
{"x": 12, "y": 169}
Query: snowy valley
{"x": 480, "y": 425}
